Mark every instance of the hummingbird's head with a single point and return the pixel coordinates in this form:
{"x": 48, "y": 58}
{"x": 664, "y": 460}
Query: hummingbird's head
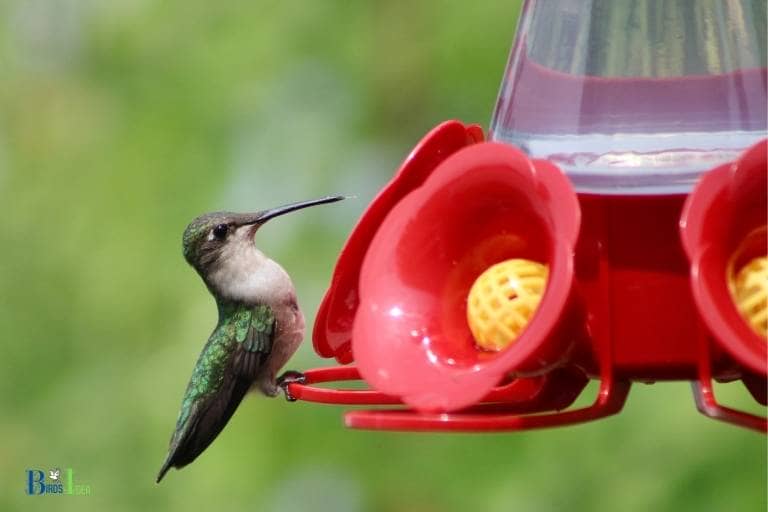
{"x": 212, "y": 237}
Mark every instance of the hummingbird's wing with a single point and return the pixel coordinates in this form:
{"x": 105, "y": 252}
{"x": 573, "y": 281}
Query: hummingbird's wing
{"x": 225, "y": 370}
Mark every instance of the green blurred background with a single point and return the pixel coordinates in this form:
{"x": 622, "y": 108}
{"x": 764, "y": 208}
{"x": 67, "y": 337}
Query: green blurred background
{"x": 122, "y": 120}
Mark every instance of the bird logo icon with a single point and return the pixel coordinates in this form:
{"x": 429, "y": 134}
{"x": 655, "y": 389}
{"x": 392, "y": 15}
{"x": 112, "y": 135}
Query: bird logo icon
{"x": 54, "y": 474}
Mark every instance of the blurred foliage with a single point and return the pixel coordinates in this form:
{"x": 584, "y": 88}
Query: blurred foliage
{"x": 122, "y": 120}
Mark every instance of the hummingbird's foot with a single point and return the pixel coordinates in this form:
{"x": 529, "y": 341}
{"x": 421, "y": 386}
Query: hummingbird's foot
{"x": 290, "y": 377}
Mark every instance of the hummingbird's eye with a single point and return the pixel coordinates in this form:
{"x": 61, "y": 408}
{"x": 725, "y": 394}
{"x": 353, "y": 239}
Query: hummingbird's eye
{"x": 220, "y": 231}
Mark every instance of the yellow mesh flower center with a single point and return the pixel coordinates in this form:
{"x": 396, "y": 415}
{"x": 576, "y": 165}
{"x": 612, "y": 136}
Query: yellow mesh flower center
{"x": 749, "y": 289}
{"x": 503, "y": 299}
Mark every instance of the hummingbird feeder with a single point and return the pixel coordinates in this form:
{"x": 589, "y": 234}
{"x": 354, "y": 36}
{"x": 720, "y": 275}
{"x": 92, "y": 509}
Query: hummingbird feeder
{"x": 611, "y": 226}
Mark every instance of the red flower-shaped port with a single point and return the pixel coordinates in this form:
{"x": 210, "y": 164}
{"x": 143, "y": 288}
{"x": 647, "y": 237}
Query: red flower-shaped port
{"x": 332, "y": 334}
{"x": 483, "y": 204}
{"x": 724, "y": 221}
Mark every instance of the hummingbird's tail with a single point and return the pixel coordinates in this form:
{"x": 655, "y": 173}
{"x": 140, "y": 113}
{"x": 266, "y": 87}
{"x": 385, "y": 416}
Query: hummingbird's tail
{"x": 204, "y": 422}
{"x": 164, "y": 469}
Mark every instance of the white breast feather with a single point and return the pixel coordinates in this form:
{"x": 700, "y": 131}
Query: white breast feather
{"x": 245, "y": 274}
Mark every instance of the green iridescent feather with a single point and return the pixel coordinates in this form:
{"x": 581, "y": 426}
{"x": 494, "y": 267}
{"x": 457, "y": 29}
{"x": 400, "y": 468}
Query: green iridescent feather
{"x": 251, "y": 326}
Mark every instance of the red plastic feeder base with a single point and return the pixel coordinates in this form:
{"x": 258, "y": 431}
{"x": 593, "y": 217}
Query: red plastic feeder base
{"x": 521, "y": 404}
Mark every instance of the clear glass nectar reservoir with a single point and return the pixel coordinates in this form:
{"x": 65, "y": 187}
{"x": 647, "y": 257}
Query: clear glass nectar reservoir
{"x": 635, "y": 97}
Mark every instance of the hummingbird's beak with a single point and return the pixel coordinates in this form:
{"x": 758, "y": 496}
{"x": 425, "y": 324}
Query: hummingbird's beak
{"x": 262, "y": 217}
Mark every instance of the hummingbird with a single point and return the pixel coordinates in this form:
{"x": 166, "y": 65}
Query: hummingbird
{"x": 259, "y": 328}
